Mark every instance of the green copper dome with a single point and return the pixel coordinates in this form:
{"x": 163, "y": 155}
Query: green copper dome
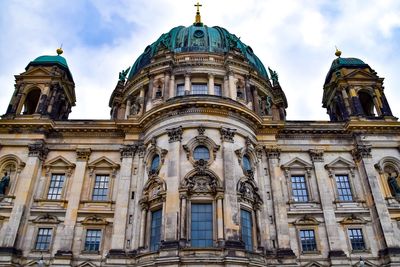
{"x": 198, "y": 38}
{"x": 51, "y": 60}
{"x": 350, "y": 63}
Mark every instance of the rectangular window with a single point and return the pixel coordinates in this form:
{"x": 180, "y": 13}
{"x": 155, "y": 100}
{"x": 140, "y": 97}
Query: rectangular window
{"x": 155, "y": 230}
{"x": 180, "y": 89}
{"x": 343, "y": 188}
{"x": 199, "y": 89}
{"x": 307, "y": 239}
{"x": 356, "y": 239}
{"x": 92, "y": 240}
{"x": 100, "y": 190}
{"x": 43, "y": 239}
{"x": 217, "y": 90}
{"x": 202, "y": 225}
{"x": 299, "y": 189}
{"x": 247, "y": 229}
{"x": 56, "y": 186}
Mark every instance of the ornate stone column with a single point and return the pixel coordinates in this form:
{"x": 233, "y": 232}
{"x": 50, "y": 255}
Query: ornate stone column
{"x": 27, "y": 180}
{"x": 220, "y": 219}
{"x": 187, "y": 84}
{"x": 172, "y": 86}
{"x": 211, "y": 84}
{"x": 183, "y": 230}
{"x": 65, "y": 233}
{"x": 232, "y": 87}
{"x": 166, "y": 85}
{"x": 122, "y": 201}
{"x": 128, "y": 108}
{"x": 336, "y": 253}
{"x": 226, "y": 91}
{"x": 381, "y": 219}
{"x": 256, "y": 105}
{"x": 143, "y": 227}
{"x": 279, "y": 203}
{"x": 231, "y": 209}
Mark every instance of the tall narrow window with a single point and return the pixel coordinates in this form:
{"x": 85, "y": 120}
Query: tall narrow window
{"x": 155, "y": 231}
{"x": 43, "y": 239}
{"x": 356, "y": 239}
{"x": 56, "y": 186}
{"x": 199, "y": 89}
{"x": 217, "y": 90}
{"x": 180, "y": 89}
{"x": 247, "y": 229}
{"x": 246, "y": 163}
{"x": 201, "y": 152}
{"x": 92, "y": 240}
{"x": 299, "y": 189}
{"x": 202, "y": 225}
{"x": 155, "y": 162}
{"x": 307, "y": 239}
{"x": 343, "y": 188}
{"x": 100, "y": 190}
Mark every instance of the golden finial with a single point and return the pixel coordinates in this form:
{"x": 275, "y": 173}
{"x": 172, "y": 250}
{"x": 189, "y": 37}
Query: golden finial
{"x": 198, "y": 17}
{"x": 338, "y": 53}
{"x": 59, "y": 50}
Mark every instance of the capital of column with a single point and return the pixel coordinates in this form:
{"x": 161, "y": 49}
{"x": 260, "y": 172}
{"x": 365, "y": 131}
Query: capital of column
{"x": 175, "y": 134}
{"x": 83, "y": 154}
{"x": 362, "y": 151}
{"x": 227, "y": 134}
{"x": 316, "y": 155}
{"x": 128, "y": 151}
{"x": 38, "y": 149}
{"x": 210, "y": 75}
{"x": 273, "y": 152}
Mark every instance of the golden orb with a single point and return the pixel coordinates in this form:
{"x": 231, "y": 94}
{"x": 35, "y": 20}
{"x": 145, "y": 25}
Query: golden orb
{"x": 338, "y": 53}
{"x": 59, "y": 51}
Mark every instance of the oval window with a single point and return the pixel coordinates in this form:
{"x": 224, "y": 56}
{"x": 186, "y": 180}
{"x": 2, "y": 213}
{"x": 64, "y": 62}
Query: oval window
{"x": 201, "y": 152}
{"x": 198, "y": 33}
{"x": 155, "y": 163}
{"x": 246, "y": 163}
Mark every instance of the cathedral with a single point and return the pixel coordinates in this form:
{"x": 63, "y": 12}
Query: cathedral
{"x": 198, "y": 166}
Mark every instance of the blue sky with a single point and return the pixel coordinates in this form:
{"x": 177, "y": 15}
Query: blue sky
{"x": 294, "y": 37}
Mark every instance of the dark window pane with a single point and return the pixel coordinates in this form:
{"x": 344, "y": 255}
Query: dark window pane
{"x": 56, "y": 185}
{"x": 199, "y": 89}
{"x": 343, "y": 187}
{"x": 356, "y": 239}
{"x": 155, "y": 231}
{"x": 180, "y": 89}
{"x": 217, "y": 90}
{"x": 100, "y": 190}
{"x": 92, "y": 241}
{"x": 307, "y": 239}
{"x": 299, "y": 189}
{"x": 43, "y": 239}
{"x": 201, "y": 152}
{"x": 246, "y": 163}
{"x": 202, "y": 225}
{"x": 247, "y": 229}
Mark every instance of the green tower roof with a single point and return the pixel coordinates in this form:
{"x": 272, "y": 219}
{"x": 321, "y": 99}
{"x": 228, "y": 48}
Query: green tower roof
{"x": 51, "y": 60}
{"x": 198, "y": 38}
{"x": 351, "y": 63}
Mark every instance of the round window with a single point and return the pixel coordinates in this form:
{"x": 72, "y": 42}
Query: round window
{"x": 155, "y": 163}
{"x": 246, "y": 163}
{"x": 201, "y": 152}
{"x": 198, "y": 33}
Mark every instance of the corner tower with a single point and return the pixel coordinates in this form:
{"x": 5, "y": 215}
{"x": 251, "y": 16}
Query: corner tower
{"x": 352, "y": 89}
{"x": 45, "y": 89}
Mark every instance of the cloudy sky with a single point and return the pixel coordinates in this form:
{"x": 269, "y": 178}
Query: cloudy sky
{"x": 296, "y": 38}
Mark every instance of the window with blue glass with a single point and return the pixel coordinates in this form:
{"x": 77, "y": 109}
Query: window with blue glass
{"x": 155, "y": 162}
{"x": 180, "y": 89}
{"x": 299, "y": 189}
{"x": 100, "y": 190}
{"x": 155, "y": 230}
{"x": 56, "y": 186}
{"x": 343, "y": 188}
{"x": 307, "y": 239}
{"x": 247, "y": 229}
{"x": 199, "y": 89}
{"x": 217, "y": 90}
{"x": 356, "y": 239}
{"x": 202, "y": 225}
{"x": 246, "y": 163}
{"x": 201, "y": 152}
{"x": 43, "y": 239}
{"x": 92, "y": 240}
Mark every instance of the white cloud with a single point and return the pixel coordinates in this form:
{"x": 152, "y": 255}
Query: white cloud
{"x": 295, "y": 38}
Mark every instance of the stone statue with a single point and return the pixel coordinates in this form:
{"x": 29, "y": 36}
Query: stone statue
{"x": 274, "y": 76}
{"x": 268, "y": 105}
{"x": 4, "y": 182}
{"x": 394, "y": 185}
{"x": 135, "y": 107}
{"x": 123, "y": 74}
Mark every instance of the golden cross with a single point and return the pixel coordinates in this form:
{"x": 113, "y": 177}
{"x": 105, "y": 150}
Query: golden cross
{"x": 198, "y": 6}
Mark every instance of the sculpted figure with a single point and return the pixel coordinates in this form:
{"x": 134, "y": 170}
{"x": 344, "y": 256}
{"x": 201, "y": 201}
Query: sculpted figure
{"x": 123, "y": 74}
{"x": 4, "y": 182}
{"x": 394, "y": 185}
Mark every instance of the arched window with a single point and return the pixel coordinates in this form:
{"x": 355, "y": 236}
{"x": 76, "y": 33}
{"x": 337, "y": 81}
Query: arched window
{"x": 367, "y": 103}
{"x": 246, "y": 163}
{"x": 201, "y": 152}
{"x": 31, "y": 102}
{"x": 155, "y": 163}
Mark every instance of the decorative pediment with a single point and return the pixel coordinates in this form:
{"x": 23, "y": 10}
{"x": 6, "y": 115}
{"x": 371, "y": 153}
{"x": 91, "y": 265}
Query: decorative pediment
{"x": 59, "y": 162}
{"x": 360, "y": 74}
{"x": 87, "y": 264}
{"x": 297, "y": 163}
{"x": 94, "y": 220}
{"x": 306, "y": 220}
{"x": 38, "y": 71}
{"x": 46, "y": 218}
{"x": 353, "y": 219}
{"x": 205, "y": 182}
{"x": 154, "y": 191}
{"x": 340, "y": 163}
{"x": 247, "y": 191}
{"x": 103, "y": 162}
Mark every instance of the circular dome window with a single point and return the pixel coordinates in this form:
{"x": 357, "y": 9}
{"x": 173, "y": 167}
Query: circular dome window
{"x": 198, "y": 34}
{"x": 147, "y": 50}
{"x": 250, "y": 50}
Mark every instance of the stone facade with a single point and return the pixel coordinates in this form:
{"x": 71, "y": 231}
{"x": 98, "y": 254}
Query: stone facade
{"x": 88, "y": 193}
